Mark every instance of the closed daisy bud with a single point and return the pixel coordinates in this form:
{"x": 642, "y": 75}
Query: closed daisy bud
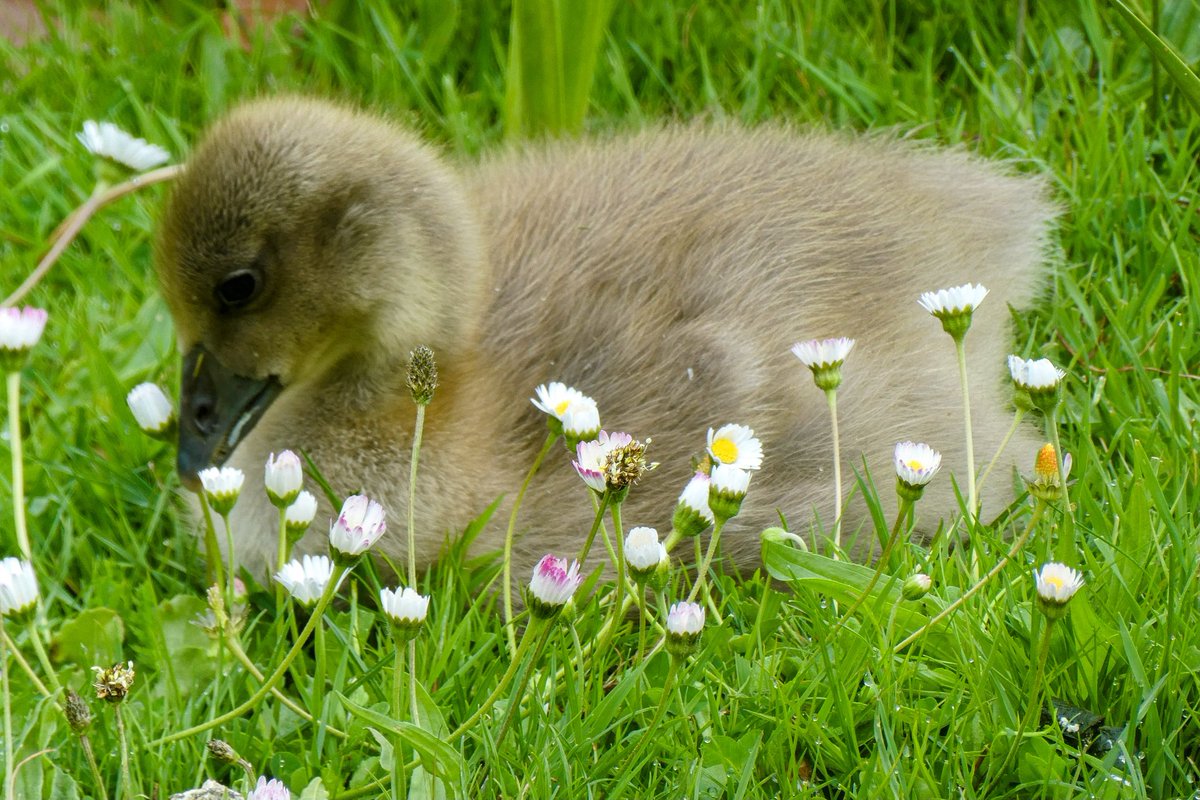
{"x": 1038, "y": 380}
{"x": 306, "y": 578}
{"x": 1046, "y": 483}
{"x": 917, "y": 586}
{"x": 269, "y": 790}
{"x": 422, "y": 375}
{"x": 284, "y": 477}
{"x": 581, "y": 421}
{"x": 1056, "y": 585}
{"x": 154, "y": 413}
{"x": 916, "y": 464}
{"x": 954, "y": 306}
{"x": 726, "y": 490}
{"x": 406, "y": 609}
{"x": 108, "y": 141}
{"x": 299, "y": 515}
{"x": 735, "y": 445}
{"x": 222, "y": 485}
{"x": 685, "y": 624}
{"x": 825, "y": 358}
{"x": 644, "y": 553}
{"x": 553, "y": 583}
{"x": 18, "y": 587}
{"x": 358, "y": 527}
{"x": 692, "y": 514}
{"x": 77, "y": 712}
{"x": 114, "y": 683}
{"x": 591, "y": 458}
{"x": 20, "y": 330}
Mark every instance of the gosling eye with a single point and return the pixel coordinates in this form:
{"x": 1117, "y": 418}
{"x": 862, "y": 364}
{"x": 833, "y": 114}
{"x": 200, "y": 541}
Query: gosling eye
{"x": 238, "y": 289}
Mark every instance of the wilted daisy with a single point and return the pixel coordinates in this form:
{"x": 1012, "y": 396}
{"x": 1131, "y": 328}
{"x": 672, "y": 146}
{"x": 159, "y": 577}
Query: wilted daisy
{"x": 300, "y": 513}
{"x": 357, "y": 528}
{"x": 553, "y": 583}
{"x": 113, "y": 683}
{"x": 269, "y": 790}
{"x": 916, "y": 464}
{"x": 284, "y": 477}
{"x": 18, "y": 587}
{"x": 108, "y": 141}
{"x": 591, "y": 457}
{"x": 222, "y": 485}
{"x": 916, "y": 586}
{"x": 1056, "y": 585}
{"x": 726, "y": 490}
{"x": 1046, "y": 483}
{"x": 20, "y": 330}
{"x": 1039, "y": 379}
{"x": 644, "y": 553}
{"x": 692, "y": 514}
{"x": 155, "y": 414}
{"x": 954, "y": 306}
{"x": 623, "y": 466}
{"x": 685, "y": 624}
{"x": 306, "y": 578}
{"x": 825, "y": 358}
{"x": 735, "y": 445}
{"x": 406, "y": 609}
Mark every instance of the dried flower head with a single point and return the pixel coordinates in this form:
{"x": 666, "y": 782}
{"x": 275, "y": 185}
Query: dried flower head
{"x": 422, "y": 375}
{"x": 77, "y": 712}
{"x": 113, "y": 683}
{"x": 623, "y": 466}
{"x": 591, "y": 458}
{"x": 1047, "y": 484}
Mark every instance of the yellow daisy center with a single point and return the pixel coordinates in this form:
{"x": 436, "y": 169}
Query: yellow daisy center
{"x": 1054, "y": 581}
{"x": 1046, "y": 465}
{"x": 913, "y": 464}
{"x": 561, "y": 408}
{"x": 725, "y": 450}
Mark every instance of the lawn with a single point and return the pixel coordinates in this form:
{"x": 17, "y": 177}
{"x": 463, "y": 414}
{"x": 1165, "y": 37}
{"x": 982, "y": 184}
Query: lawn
{"x": 789, "y": 695}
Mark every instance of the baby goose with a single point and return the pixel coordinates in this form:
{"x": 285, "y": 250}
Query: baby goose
{"x": 308, "y": 248}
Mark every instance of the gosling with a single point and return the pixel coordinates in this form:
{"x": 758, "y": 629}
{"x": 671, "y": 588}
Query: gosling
{"x": 308, "y": 248}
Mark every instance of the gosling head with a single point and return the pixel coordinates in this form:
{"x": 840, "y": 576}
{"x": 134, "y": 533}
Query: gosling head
{"x": 301, "y": 237}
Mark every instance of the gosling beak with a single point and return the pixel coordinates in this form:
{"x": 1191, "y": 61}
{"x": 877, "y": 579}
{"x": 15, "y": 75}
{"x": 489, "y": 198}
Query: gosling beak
{"x": 217, "y": 408}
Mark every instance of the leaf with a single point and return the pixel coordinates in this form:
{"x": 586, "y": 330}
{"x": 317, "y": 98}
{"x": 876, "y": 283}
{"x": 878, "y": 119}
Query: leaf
{"x": 1164, "y": 53}
{"x": 315, "y": 791}
{"x": 92, "y": 638}
{"x": 435, "y": 751}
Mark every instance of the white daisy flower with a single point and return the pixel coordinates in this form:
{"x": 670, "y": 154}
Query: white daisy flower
{"x": 20, "y": 330}
{"x": 300, "y": 513}
{"x": 726, "y": 490}
{"x": 269, "y": 790}
{"x": 956, "y": 300}
{"x": 591, "y": 458}
{"x": 685, "y": 624}
{"x": 553, "y": 583}
{"x": 154, "y": 413}
{"x": 823, "y": 353}
{"x": 107, "y": 140}
{"x": 916, "y": 464}
{"x": 555, "y": 398}
{"x": 18, "y": 586}
{"x": 222, "y": 485}
{"x": 284, "y": 477}
{"x": 306, "y": 578}
{"x": 359, "y": 525}
{"x": 406, "y": 609}
{"x": 692, "y": 514}
{"x": 1056, "y": 585}
{"x": 735, "y": 445}
{"x": 581, "y": 420}
{"x": 643, "y": 551}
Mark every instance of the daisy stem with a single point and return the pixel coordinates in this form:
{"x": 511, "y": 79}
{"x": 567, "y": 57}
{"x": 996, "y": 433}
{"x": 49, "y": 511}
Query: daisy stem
{"x": 672, "y": 539}
{"x": 229, "y": 591}
{"x": 510, "y": 533}
{"x": 412, "y": 680}
{"x": 950, "y": 609}
{"x": 901, "y": 514}
{"x": 831, "y": 397}
{"x": 318, "y": 692}
{"x": 515, "y": 703}
{"x": 1017, "y": 417}
{"x": 18, "y": 464}
{"x": 702, "y": 578}
{"x": 536, "y": 627}
{"x": 601, "y": 505}
{"x": 235, "y": 647}
{"x": 281, "y": 558}
{"x": 212, "y": 551}
{"x": 960, "y": 348}
{"x": 1034, "y": 707}
{"x": 619, "y": 591}
{"x": 29, "y": 673}
{"x": 123, "y": 739}
{"x": 1065, "y": 552}
{"x": 664, "y": 700}
{"x": 398, "y": 713}
{"x": 40, "y": 651}
{"x": 9, "y": 775}
{"x": 338, "y": 571}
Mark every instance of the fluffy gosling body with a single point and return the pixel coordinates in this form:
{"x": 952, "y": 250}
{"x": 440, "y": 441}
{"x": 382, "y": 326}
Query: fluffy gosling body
{"x": 308, "y": 248}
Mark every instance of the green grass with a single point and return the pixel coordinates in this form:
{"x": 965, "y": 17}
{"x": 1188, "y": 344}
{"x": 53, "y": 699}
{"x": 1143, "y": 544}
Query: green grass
{"x": 778, "y": 702}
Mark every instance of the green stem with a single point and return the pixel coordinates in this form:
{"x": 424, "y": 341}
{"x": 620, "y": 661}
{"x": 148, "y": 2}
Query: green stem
{"x": 123, "y": 739}
{"x": 230, "y": 591}
{"x": 702, "y": 578}
{"x": 948, "y": 610}
{"x": 212, "y": 551}
{"x": 412, "y": 681}
{"x": 398, "y": 713}
{"x": 418, "y": 430}
{"x": 619, "y": 590}
{"x": 972, "y": 493}
{"x": 1034, "y": 706}
{"x": 1065, "y": 552}
{"x": 9, "y": 774}
{"x": 43, "y": 659}
{"x": 1012, "y": 429}
{"x": 256, "y": 698}
{"x": 93, "y": 767}
{"x": 18, "y": 464}
{"x": 281, "y": 558}
{"x": 905, "y": 506}
{"x": 29, "y": 673}
{"x": 509, "y": 535}
{"x": 318, "y": 692}
{"x": 672, "y": 539}
{"x": 526, "y": 674}
{"x": 235, "y": 647}
{"x": 831, "y": 397}
{"x": 664, "y": 700}
{"x": 531, "y": 633}
{"x": 601, "y": 505}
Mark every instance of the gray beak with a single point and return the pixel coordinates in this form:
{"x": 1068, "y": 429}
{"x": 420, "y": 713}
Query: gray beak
{"x": 217, "y": 408}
